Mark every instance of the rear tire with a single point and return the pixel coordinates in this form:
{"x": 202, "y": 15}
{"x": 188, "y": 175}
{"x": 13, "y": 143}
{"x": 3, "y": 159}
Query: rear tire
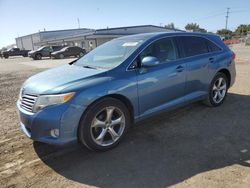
{"x": 104, "y": 124}
{"x": 217, "y": 90}
{"x": 61, "y": 56}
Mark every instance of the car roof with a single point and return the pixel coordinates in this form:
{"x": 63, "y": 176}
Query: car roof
{"x": 145, "y": 36}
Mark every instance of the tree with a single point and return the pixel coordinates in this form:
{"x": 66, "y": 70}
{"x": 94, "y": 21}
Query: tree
{"x": 242, "y": 30}
{"x": 225, "y": 33}
{"x": 195, "y": 27}
{"x": 192, "y": 27}
{"x": 170, "y": 26}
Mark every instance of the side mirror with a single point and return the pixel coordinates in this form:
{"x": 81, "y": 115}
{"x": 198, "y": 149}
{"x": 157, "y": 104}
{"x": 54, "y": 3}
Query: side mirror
{"x": 149, "y": 61}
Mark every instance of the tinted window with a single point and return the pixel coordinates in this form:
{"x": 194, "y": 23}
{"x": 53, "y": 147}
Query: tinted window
{"x": 213, "y": 47}
{"x": 55, "y": 48}
{"x": 46, "y": 49}
{"x": 71, "y": 49}
{"x": 163, "y": 49}
{"x": 194, "y": 45}
{"x": 75, "y": 49}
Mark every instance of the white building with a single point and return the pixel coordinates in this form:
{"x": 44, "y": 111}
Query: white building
{"x": 85, "y": 38}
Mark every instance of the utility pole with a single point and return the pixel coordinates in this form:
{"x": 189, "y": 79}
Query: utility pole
{"x": 78, "y": 21}
{"x": 227, "y": 16}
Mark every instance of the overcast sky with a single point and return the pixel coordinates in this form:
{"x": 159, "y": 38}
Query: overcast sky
{"x": 22, "y": 17}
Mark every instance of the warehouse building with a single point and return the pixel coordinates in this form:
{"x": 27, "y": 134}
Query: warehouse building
{"x": 85, "y": 38}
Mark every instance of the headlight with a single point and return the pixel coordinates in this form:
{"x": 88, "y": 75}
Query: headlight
{"x": 47, "y": 100}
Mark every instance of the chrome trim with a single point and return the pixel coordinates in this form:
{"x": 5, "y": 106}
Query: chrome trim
{"x": 27, "y": 101}
{"x": 25, "y": 130}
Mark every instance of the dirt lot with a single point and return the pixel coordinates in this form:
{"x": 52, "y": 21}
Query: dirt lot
{"x": 194, "y": 146}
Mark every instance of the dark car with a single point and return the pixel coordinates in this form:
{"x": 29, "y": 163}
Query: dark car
{"x": 15, "y": 52}
{"x": 69, "y": 51}
{"x": 44, "y": 51}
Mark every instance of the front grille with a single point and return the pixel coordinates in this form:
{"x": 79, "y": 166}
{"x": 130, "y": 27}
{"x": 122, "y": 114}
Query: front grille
{"x": 27, "y": 102}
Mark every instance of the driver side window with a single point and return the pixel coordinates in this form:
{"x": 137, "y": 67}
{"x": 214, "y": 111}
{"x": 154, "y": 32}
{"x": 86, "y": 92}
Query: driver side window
{"x": 46, "y": 49}
{"x": 162, "y": 49}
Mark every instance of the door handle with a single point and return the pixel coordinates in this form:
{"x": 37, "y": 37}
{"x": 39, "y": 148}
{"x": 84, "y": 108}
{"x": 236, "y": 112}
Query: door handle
{"x": 211, "y": 59}
{"x": 179, "y": 68}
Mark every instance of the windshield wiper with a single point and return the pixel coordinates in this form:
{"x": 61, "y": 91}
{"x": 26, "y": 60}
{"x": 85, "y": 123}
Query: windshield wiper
{"x": 89, "y": 67}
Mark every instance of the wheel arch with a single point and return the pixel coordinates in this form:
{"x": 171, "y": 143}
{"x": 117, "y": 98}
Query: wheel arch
{"x": 119, "y": 97}
{"x": 227, "y": 73}
{"x": 37, "y": 55}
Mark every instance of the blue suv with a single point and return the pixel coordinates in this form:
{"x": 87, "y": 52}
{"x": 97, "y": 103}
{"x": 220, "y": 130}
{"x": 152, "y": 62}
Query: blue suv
{"x": 96, "y": 98}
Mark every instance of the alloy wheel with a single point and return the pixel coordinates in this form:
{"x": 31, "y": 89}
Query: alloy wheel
{"x": 107, "y": 126}
{"x": 219, "y": 90}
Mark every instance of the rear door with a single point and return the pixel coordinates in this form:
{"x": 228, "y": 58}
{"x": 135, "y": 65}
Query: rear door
{"x": 195, "y": 52}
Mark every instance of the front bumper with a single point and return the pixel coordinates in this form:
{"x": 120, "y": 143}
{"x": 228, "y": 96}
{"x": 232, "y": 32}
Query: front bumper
{"x": 38, "y": 126}
{"x": 31, "y": 55}
{"x": 56, "y": 56}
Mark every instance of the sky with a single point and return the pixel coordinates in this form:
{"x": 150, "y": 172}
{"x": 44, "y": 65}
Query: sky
{"x": 22, "y": 17}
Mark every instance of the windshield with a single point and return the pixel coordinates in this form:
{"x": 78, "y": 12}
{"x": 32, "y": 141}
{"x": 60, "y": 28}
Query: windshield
{"x": 63, "y": 49}
{"x": 110, "y": 54}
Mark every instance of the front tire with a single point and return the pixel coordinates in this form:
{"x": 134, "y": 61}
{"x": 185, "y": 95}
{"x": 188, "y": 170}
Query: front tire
{"x": 217, "y": 90}
{"x": 38, "y": 56}
{"x": 104, "y": 124}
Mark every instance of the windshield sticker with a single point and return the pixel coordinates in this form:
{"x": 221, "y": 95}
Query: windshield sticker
{"x": 130, "y": 44}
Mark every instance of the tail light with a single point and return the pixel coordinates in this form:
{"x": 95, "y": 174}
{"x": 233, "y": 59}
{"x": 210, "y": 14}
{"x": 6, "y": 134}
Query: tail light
{"x": 233, "y": 56}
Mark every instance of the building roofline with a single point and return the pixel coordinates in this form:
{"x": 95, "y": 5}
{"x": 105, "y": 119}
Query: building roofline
{"x": 50, "y": 31}
{"x": 96, "y": 31}
{"x": 128, "y": 27}
{"x": 66, "y": 30}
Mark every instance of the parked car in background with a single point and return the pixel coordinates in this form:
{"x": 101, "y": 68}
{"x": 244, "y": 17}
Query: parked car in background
{"x": 15, "y": 52}
{"x": 68, "y": 52}
{"x": 44, "y": 51}
{"x": 247, "y": 43}
{"x": 96, "y": 98}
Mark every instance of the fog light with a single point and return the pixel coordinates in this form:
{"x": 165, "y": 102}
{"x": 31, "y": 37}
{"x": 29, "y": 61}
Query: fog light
{"x": 54, "y": 133}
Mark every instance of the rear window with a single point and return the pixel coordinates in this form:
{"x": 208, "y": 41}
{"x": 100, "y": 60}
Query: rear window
{"x": 193, "y": 45}
{"x": 55, "y": 48}
{"x": 213, "y": 47}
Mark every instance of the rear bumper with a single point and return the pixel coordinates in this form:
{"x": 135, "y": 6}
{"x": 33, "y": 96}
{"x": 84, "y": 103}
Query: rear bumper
{"x": 233, "y": 73}
{"x": 38, "y": 126}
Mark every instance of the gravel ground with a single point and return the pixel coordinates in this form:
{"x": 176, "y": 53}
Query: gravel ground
{"x": 194, "y": 146}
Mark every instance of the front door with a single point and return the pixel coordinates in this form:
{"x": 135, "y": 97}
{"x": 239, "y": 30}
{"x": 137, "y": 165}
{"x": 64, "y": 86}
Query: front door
{"x": 163, "y": 84}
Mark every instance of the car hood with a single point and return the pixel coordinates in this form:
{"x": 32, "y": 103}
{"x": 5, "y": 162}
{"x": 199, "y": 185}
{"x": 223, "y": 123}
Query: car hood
{"x": 32, "y": 51}
{"x": 55, "y": 80}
